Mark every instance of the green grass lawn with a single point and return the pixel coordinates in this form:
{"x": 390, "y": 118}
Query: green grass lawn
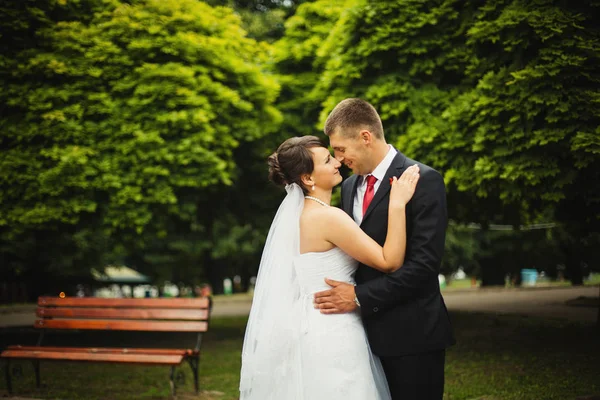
{"x": 459, "y": 284}
{"x": 512, "y": 357}
{"x": 497, "y": 357}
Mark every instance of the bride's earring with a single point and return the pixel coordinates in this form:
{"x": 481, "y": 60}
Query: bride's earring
{"x": 313, "y": 188}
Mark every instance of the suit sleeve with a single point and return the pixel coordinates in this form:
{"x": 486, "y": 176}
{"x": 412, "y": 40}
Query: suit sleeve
{"x": 425, "y": 248}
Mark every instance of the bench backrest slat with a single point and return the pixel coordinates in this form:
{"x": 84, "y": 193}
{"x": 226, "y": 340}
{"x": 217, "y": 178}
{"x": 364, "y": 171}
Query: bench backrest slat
{"x": 158, "y": 314}
{"x": 123, "y": 313}
{"x": 123, "y": 325}
{"x": 192, "y": 303}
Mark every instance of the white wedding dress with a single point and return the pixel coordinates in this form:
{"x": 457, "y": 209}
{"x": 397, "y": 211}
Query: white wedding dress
{"x": 291, "y": 351}
{"x": 336, "y": 360}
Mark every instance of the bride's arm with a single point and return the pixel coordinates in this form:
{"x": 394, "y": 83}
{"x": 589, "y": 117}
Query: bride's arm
{"x": 343, "y": 232}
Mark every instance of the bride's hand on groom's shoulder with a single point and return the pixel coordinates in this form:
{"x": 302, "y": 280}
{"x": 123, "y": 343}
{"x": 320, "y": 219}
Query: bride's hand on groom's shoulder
{"x": 403, "y": 188}
{"x": 337, "y": 300}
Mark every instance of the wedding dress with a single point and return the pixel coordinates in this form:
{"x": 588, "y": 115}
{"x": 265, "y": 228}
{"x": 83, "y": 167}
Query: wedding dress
{"x": 337, "y": 362}
{"x": 291, "y": 350}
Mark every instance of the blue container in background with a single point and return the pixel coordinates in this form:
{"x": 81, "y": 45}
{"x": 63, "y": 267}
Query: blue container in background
{"x": 528, "y": 277}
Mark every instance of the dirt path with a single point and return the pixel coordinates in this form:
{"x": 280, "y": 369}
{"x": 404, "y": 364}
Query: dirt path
{"x": 557, "y": 302}
{"x": 544, "y": 302}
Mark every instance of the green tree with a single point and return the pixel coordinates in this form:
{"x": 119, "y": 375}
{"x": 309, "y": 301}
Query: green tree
{"x": 531, "y": 122}
{"x": 462, "y": 251}
{"x": 119, "y": 126}
{"x": 263, "y": 19}
{"x": 299, "y": 65}
{"x": 501, "y": 97}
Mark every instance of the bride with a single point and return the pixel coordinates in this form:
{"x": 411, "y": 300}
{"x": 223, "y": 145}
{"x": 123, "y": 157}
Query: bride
{"x": 292, "y": 351}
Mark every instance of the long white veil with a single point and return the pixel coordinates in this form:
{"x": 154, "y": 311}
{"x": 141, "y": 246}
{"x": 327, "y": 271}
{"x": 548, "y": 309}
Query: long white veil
{"x": 271, "y": 356}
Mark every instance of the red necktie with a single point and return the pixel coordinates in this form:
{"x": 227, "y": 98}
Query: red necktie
{"x": 370, "y": 192}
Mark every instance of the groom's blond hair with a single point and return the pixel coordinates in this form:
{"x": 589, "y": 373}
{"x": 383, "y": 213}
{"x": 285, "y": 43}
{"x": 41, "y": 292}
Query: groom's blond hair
{"x": 351, "y": 115}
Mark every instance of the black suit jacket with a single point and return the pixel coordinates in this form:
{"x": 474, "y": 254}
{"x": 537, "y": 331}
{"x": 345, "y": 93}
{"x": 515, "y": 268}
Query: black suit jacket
{"x": 404, "y": 312}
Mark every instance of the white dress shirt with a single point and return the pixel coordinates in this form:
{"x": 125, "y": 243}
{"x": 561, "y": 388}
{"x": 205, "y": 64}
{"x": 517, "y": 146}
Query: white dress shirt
{"x": 379, "y": 173}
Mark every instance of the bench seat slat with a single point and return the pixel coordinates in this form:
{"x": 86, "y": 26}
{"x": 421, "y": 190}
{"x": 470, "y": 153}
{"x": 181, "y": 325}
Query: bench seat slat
{"x": 122, "y": 313}
{"x": 123, "y": 325}
{"x": 156, "y": 359}
{"x": 181, "y": 352}
{"x": 190, "y": 303}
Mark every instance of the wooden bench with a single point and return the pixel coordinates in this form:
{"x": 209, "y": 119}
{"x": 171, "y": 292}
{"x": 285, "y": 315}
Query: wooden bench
{"x": 137, "y": 315}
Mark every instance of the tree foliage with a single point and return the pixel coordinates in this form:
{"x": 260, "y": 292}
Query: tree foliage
{"x": 136, "y": 131}
{"x": 263, "y": 19}
{"x": 501, "y": 97}
{"x": 121, "y": 121}
{"x": 300, "y": 68}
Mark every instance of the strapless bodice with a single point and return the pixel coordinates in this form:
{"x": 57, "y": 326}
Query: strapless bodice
{"x": 312, "y": 268}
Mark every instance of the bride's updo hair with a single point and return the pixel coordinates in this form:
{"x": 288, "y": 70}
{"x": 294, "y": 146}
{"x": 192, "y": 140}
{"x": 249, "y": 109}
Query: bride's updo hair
{"x": 292, "y": 160}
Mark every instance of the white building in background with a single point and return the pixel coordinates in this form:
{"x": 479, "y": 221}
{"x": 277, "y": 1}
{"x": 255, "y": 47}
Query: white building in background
{"x": 170, "y": 290}
{"x": 120, "y": 282}
{"x": 460, "y": 274}
{"x": 126, "y": 282}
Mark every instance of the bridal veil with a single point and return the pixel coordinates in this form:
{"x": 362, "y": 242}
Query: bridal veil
{"x": 271, "y": 355}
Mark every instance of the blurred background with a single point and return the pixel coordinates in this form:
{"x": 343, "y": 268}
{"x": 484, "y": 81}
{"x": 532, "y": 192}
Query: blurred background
{"x": 133, "y": 143}
{"x": 134, "y": 134}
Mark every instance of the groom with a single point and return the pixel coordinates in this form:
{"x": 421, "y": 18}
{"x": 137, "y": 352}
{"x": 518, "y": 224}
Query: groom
{"x": 403, "y": 312}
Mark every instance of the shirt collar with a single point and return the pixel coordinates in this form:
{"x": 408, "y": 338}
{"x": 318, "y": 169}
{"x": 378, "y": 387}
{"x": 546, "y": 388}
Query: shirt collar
{"x": 381, "y": 169}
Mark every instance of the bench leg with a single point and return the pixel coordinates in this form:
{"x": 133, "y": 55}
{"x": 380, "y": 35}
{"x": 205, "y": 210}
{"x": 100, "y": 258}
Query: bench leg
{"x": 7, "y": 375}
{"x": 172, "y": 382}
{"x": 194, "y": 365}
{"x": 36, "y": 368}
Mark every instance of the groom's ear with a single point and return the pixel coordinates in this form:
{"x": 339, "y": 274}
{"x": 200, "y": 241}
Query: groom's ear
{"x": 365, "y": 136}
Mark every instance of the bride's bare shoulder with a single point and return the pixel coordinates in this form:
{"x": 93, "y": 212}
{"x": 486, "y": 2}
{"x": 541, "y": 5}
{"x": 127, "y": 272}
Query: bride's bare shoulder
{"x": 325, "y": 215}
{"x": 338, "y": 213}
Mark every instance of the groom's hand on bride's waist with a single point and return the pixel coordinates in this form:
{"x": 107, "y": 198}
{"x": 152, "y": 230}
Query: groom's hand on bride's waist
{"x": 337, "y": 300}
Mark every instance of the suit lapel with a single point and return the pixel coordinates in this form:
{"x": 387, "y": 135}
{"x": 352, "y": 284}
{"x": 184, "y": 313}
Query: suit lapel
{"x": 349, "y": 194}
{"x": 396, "y": 168}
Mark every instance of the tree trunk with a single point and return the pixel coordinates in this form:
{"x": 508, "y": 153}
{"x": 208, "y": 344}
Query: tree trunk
{"x": 492, "y": 271}
{"x": 574, "y": 267}
{"x": 598, "y": 319}
{"x": 214, "y": 273}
